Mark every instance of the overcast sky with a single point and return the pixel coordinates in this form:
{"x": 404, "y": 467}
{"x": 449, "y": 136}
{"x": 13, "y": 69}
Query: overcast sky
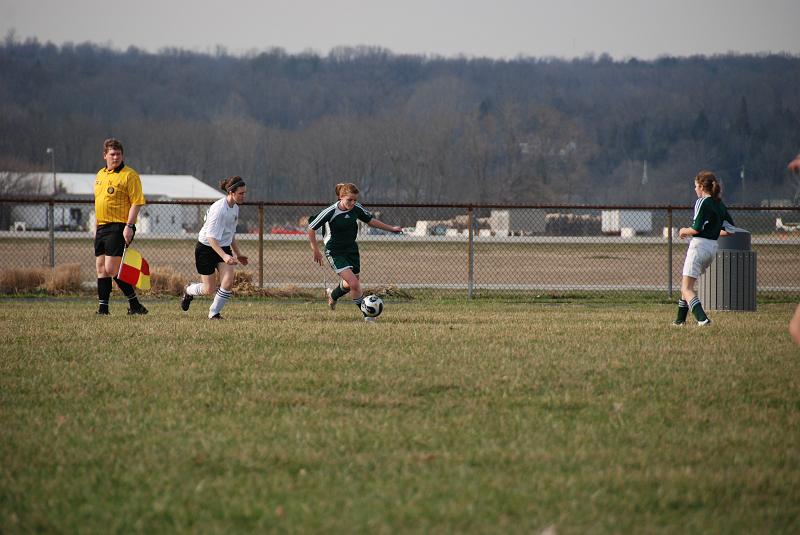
{"x": 494, "y": 28}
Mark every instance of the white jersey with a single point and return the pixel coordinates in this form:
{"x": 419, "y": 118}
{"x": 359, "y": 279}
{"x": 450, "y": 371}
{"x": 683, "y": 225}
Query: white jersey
{"x": 220, "y": 224}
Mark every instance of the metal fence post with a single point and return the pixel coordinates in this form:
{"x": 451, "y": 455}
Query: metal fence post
{"x": 669, "y": 251}
{"x": 471, "y": 267}
{"x": 52, "y": 217}
{"x": 261, "y": 245}
{"x": 51, "y": 209}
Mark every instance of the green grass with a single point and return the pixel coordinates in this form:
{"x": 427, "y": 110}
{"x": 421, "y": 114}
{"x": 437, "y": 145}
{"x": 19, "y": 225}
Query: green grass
{"x": 491, "y": 416}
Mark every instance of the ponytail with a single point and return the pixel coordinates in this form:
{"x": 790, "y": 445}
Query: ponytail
{"x": 710, "y": 184}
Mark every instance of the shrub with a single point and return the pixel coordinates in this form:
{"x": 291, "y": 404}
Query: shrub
{"x": 65, "y": 278}
{"x": 243, "y": 284}
{"x": 166, "y": 281}
{"x": 18, "y": 280}
{"x": 388, "y": 290}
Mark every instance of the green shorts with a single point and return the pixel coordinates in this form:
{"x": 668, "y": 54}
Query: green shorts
{"x": 341, "y": 261}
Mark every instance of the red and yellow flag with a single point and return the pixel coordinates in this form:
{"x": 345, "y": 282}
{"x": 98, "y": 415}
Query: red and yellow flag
{"x": 134, "y": 269}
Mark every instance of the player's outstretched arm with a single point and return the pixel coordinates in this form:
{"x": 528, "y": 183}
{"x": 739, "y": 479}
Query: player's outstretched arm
{"x": 383, "y": 226}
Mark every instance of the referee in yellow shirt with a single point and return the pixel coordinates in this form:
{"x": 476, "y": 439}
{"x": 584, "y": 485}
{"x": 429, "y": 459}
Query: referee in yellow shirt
{"x": 117, "y": 200}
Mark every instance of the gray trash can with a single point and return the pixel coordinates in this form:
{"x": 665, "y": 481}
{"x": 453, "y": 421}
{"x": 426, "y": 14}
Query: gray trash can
{"x": 730, "y": 282}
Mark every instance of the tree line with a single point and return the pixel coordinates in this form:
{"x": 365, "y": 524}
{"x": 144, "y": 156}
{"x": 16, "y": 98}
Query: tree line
{"x": 410, "y": 128}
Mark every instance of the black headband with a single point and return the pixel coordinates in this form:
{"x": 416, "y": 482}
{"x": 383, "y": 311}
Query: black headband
{"x": 238, "y": 184}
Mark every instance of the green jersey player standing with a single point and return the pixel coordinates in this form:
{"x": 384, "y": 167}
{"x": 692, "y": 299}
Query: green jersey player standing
{"x": 340, "y": 222}
{"x": 710, "y": 215}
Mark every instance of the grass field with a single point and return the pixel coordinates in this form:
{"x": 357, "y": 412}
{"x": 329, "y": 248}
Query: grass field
{"x": 491, "y": 416}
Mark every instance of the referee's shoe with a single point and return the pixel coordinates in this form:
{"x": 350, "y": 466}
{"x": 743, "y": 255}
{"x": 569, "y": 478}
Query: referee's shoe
{"x": 139, "y": 309}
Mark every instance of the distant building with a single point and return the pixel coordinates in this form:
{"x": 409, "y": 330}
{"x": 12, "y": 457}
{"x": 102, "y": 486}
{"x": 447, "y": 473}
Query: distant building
{"x": 518, "y": 222}
{"x": 635, "y": 221}
{"x": 153, "y": 219}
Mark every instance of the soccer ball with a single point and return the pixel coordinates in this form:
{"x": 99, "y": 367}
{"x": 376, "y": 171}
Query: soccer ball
{"x": 372, "y": 306}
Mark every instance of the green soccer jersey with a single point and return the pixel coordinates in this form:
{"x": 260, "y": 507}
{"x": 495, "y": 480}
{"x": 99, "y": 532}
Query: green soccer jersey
{"x": 709, "y": 217}
{"x": 340, "y": 228}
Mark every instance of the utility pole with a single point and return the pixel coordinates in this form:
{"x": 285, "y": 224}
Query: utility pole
{"x": 51, "y": 210}
{"x": 744, "y": 190}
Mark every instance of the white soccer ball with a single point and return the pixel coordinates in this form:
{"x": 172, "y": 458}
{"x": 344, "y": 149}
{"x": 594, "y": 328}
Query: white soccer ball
{"x": 372, "y": 306}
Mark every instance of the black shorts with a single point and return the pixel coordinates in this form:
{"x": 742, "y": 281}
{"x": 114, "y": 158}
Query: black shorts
{"x": 206, "y": 258}
{"x": 108, "y": 240}
{"x": 341, "y": 261}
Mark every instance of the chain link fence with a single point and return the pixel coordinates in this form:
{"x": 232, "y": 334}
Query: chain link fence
{"x": 466, "y": 249}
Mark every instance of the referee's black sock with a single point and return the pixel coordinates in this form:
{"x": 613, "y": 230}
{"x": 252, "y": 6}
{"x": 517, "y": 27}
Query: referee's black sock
{"x": 129, "y": 292}
{"x": 103, "y": 293}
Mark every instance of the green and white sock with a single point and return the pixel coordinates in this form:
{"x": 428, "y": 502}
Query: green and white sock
{"x": 683, "y": 311}
{"x": 338, "y": 292}
{"x": 357, "y": 302}
{"x": 697, "y": 309}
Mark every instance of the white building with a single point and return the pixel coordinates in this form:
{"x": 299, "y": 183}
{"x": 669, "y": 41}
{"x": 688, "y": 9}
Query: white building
{"x": 518, "y": 222}
{"x": 153, "y": 218}
{"x": 633, "y": 221}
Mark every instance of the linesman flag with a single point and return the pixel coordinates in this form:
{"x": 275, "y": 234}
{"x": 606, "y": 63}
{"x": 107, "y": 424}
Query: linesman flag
{"x": 134, "y": 269}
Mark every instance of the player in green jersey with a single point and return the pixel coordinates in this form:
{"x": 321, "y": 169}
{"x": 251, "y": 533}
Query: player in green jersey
{"x": 794, "y": 324}
{"x": 710, "y": 216}
{"x": 340, "y": 222}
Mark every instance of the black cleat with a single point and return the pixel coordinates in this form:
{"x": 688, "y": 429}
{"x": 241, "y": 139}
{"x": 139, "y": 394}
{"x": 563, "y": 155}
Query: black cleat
{"x": 137, "y": 310}
{"x": 186, "y": 300}
{"x": 216, "y": 317}
{"x": 102, "y": 312}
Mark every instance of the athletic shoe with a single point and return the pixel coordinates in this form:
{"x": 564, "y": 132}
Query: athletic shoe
{"x": 103, "y": 313}
{"x": 369, "y": 320}
{"x": 216, "y": 317}
{"x": 137, "y": 310}
{"x": 186, "y": 300}
{"x": 331, "y": 301}
{"x": 677, "y": 323}
{"x": 704, "y": 322}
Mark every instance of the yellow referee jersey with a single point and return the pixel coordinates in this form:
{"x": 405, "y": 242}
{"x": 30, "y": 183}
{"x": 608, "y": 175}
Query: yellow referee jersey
{"x": 114, "y": 193}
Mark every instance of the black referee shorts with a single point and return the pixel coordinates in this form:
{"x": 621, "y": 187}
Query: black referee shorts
{"x": 108, "y": 240}
{"x": 206, "y": 258}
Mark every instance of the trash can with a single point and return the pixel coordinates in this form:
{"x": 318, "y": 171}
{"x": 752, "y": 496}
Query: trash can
{"x": 730, "y": 282}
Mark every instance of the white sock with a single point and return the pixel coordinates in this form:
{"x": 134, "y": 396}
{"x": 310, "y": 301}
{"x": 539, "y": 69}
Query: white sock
{"x": 219, "y": 301}
{"x": 195, "y": 289}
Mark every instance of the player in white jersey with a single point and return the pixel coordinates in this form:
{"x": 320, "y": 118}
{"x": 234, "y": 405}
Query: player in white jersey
{"x": 216, "y": 250}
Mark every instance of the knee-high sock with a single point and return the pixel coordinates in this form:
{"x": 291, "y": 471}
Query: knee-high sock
{"x": 103, "y": 292}
{"x": 697, "y": 309}
{"x": 219, "y": 301}
{"x": 129, "y": 292}
{"x": 339, "y": 291}
{"x": 357, "y": 302}
{"x": 683, "y": 310}
{"x": 195, "y": 289}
